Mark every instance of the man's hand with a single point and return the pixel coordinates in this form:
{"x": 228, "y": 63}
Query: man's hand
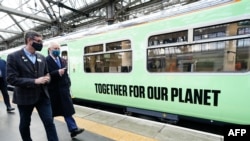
{"x": 61, "y": 71}
{"x": 42, "y": 80}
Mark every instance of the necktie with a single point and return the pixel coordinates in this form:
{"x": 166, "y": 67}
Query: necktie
{"x": 58, "y": 62}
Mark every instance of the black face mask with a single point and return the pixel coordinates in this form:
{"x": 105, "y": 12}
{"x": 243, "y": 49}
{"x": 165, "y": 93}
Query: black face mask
{"x": 37, "y": 46}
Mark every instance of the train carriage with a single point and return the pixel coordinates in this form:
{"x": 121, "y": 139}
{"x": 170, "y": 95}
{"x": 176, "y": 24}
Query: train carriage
{"x": 193, "y": 63}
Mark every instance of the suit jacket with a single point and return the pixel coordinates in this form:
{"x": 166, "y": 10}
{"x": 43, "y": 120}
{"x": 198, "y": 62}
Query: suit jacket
{"x": 59, "y": 89}
{"x": 21, "y": 73}
{"x": 3, "y": 67}
{"x": 3, "y": 73}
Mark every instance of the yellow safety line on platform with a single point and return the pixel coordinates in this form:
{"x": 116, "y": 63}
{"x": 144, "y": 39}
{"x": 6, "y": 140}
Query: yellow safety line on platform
{"x": 107, "y": 131}
{"x": 104, "y": 130}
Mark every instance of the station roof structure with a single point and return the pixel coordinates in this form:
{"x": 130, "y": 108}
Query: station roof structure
{"x": 58, "y": 17}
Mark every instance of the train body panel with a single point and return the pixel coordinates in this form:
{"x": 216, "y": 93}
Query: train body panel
{"x": 142, "y": 82}
{"x": 203, "y": 95}
{"x": 215, "y": 96}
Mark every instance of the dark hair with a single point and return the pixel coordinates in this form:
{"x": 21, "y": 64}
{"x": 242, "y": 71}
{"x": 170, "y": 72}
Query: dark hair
{"x": 31, "y": 34}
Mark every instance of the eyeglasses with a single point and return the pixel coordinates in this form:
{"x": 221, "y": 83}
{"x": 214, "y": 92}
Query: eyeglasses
{"x": 38, "y": 41}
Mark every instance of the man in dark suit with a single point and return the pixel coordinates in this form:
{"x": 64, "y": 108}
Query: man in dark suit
{"x": 27, "y": 70}
{"x": 3, "y": 85}
{"x": 59, "y": 88}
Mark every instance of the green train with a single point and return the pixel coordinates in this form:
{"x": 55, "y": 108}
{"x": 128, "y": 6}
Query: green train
{"x": 191, "y": 61}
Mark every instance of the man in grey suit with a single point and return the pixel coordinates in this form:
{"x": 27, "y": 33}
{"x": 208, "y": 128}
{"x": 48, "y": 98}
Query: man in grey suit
{"x": 27, "y": 70}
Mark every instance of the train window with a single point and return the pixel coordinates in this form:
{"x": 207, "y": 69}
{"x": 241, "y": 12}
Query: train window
{"x": 223, "y": 30}
{"x": 244, "y": 30}
{"x": 244, "y": 23}
{"x": 64, "y": 55}
{"x": 210, "y": 32}
{"x": 119, "y": 61}
{"x": 109, "y": 62}
{"x": 243, "y": 42}
{"x": 93, "y": 49}
{"x": 118, "y": 45}
{"x": 220, "y": 56}
{"x": 180, "y": 36}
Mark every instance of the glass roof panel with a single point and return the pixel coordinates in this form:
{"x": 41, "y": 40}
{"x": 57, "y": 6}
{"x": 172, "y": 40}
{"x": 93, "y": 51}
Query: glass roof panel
{"x": 8, "y": 22}
{"x": 15, "y": 28}
{"x": 4, "y": 20}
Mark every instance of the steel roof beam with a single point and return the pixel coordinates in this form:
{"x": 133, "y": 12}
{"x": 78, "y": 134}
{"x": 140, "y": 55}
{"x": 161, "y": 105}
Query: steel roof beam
{"x": 123, "y": 8}
{"x": 20, "y": 27}
{"x": 2, "y": 37}
{"x": 47, "y": 10}
{"x": 90, "y": 8}
{"x": 10, "y": 31}
{"x": 59, "y": 4}
{"x": 24, "y": 14}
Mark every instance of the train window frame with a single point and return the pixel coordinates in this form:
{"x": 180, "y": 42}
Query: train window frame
{"x": 112, "y": 46}
{"x": 168, "y": 38}
{"x": 110, "y": 60}
{"x": 216, "y": 60}
{"x": 234, "y": 48}
{"x": 204, "y": 33}
{"x": 64, "y": 53}
{"x": 96, "y": 48}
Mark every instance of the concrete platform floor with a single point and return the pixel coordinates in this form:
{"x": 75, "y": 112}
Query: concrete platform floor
{"x": 101, "y": 126}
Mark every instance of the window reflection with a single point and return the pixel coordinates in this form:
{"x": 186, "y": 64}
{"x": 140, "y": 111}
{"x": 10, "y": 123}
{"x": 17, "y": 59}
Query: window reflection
{"x": 223, "y": 30}
{"x": 223, "y": 56}
{"x": 93, "y": 49}
{"x": 119, "y": 61}
{"x": 168, "y": 38}
{"x": 214, "y": 56}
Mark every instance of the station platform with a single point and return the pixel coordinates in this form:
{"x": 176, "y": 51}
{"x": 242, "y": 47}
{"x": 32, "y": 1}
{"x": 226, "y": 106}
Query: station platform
{"x": 101, "y": 126}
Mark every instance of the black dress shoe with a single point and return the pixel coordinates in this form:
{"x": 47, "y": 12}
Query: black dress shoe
{"x": 76, "y": 132}
{"x": 9, "y": 109}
